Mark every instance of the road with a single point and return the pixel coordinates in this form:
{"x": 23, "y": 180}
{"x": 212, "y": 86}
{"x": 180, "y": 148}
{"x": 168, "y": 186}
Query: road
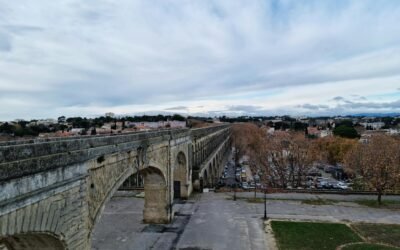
{"x": 290, "y": 206}
{"x": 309, "y": 196}
{"x": 230, "y": 177}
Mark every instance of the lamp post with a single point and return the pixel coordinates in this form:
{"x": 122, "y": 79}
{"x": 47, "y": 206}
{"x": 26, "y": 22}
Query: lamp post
{"x": 234, "y": 191}
{"x": 265, "y": 195}
{"x": 265, "y": 203}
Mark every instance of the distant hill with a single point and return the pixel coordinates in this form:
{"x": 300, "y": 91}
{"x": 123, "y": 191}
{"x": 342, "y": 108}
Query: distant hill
{"x": 376, "y": 114}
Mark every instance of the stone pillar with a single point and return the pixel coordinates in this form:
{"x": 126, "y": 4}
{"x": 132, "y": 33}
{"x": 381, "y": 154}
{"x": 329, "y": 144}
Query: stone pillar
{"x": 184, "y": 190}
{"x": 156, "y": 203}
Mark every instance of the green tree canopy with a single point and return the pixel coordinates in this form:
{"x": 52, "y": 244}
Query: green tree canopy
{"x": 346, "y": 132}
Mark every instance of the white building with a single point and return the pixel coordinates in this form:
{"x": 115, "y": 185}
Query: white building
{"x": 393, "y": 131}
{"x": 373, "y": 125}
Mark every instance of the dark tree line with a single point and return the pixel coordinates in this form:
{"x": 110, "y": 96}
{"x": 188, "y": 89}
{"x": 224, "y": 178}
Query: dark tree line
{"x": 22, "y": 128}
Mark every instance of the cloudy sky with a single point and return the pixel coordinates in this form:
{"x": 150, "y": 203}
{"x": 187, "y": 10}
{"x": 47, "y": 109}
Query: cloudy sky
{"x": 74, "y": 57}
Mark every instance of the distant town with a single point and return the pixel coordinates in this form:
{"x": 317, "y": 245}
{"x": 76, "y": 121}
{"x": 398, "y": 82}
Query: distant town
{"x": 314, "y": 127}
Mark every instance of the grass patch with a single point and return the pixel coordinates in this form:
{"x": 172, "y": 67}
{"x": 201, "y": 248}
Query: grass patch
{"x": 255, "y": 200}
{"x": 385, "y": 204}
{"x": 379, "y": 233}
{"x": 318, "y": 202}
{"x": 309, "y": 235}
{"x": 367, "y": 246}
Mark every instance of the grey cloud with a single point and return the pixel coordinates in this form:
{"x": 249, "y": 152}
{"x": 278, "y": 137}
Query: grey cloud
{"x": 20, "y": 29}
{"x": 359, "y": 97}
{"x": 177, "y": 108}
{"x": 347, "y": 101}
{"x": 143, "y": 52}
{"x": 338, "y": 98}
{"x": 244, "y": 108}
{"x": 373, "y": 105}
{"x": 313, "y": 107}
{"x": 5, "y": 43}
{"x": 350, "y": 108}
{"x": 341, "y": 99}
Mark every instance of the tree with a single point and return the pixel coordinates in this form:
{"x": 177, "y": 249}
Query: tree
{"x": 243, "y": 136}
{"x": 332, "y": 150}
{"x": 346, "y": 131}
{"x": 61, "y": 119}
{"x": 377, "y": 162}
{"x": 300, "y": 157}
{"x": 178, "y": 117}
{"x": 284, "y": 157}
{"x": 7, "y": 128}
{"x": 93, "y": 131}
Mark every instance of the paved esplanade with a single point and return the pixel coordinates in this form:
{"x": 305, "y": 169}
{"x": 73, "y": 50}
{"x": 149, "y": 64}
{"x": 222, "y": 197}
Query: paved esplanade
{"x": 207, "y": 221}
{"x": 53, "y": 191}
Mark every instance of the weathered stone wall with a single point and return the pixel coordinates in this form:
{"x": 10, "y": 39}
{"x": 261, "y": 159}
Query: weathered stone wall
{"x": 209, "y": 156}
{"x": 63, "y": 214}
{"x": 52, "y": 191}
{"x": 26, "y": 159}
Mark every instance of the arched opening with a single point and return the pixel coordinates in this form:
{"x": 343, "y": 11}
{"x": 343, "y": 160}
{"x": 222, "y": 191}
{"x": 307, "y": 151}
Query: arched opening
{"x": 210, "y": 175}
{"x": 205, "y": 178}
{"x": 181, "y": 177}
{"x": 31, "y": 241}
{"x": 215, "y": 174}
{"x": 126, "y": 210}
{"x": 134, "y": 182}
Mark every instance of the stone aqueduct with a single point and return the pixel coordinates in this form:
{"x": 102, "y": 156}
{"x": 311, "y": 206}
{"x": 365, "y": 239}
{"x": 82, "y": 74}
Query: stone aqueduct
{"x": 53, "y": 191}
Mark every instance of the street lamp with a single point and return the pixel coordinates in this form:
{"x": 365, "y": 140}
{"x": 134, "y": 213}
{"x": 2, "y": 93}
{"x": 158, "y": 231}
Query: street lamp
{"x": 261, "y": 173}
{"x": 234, "y": 191}
{"x": 265, "y": 203}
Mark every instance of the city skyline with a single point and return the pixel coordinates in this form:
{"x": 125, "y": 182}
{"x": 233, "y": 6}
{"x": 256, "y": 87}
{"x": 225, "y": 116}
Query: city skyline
{"x": 211, "y": 58}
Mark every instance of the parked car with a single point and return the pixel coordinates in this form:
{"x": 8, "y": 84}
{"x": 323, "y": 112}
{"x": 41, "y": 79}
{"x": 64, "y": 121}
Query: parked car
{"x": 342, "y": 185}
{"x": 322, "y": 184}
{"x": 329, "y": 169}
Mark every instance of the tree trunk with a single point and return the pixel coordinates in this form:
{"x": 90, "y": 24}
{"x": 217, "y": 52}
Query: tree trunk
{"x": 379, "y": 197}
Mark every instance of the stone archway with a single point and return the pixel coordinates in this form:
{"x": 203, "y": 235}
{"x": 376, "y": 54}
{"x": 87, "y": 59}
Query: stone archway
{"x": 32, "y": 241}
{"x": 205, "y": 179}
{"x": 156, "y": 209}
{"x": 210, "y": 175}
{"x": 215, "y": 170}
{"x": 181, "y": 182}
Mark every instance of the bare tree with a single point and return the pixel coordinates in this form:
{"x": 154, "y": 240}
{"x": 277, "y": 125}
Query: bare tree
{"x": 332, "y": 150}
{"x": 377, "y": 162}
{"x": 243, "y": 135}
{"x": 283, "y": 158}
{"x": 301, "y": 157}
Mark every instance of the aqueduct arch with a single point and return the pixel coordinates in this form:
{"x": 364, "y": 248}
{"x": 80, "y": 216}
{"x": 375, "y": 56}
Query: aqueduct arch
{"x": 181, "y": 176}
{"x": 205, "y": 178}
{"x": 52, "y": 191}
{"x": 32, "y": 241}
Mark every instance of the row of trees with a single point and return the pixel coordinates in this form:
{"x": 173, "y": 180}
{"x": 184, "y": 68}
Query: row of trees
{"x": 21, "y": 129}
{"x": 25, "y": 128}
{"x": 284, "y": 158}
{"x": 83, "y": 122}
